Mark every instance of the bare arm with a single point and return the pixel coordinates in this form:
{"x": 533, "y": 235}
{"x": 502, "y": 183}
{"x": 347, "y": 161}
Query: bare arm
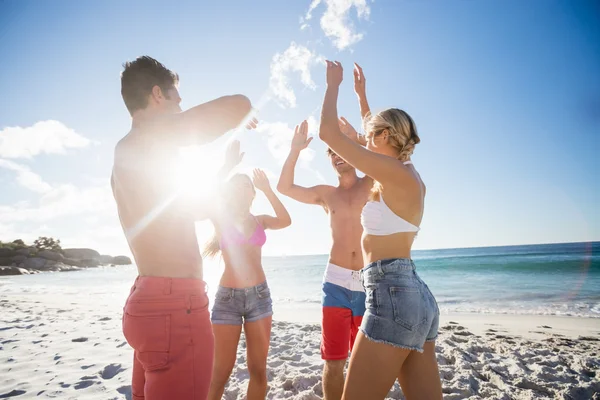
{"x": 360, "y": 88}
{"x": 282, "y": 218}
{"x": 286, "y": 185}
{"x": 379, "y": 167}
{"x": 206, "y": 122}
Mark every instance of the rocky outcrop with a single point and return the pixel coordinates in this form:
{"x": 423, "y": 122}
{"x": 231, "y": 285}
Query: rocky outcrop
{"x": 13, "y": 271}
{"x": 34, "y": 263}
{"x": 50, "y": 255}
{"x": 20, "y": 259}
{"x": 121, "y": 260}
{"x": 81, "y": 254}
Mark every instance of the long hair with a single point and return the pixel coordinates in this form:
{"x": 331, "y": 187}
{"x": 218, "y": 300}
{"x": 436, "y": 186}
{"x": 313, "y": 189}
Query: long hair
{"x": 213, "y": 247}
{"x": 402, "y": 131}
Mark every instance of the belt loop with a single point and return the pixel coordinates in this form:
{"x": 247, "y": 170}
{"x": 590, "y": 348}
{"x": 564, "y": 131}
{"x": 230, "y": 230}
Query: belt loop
{"x": 232, "y": 292}
{"x": 379, "y": 269}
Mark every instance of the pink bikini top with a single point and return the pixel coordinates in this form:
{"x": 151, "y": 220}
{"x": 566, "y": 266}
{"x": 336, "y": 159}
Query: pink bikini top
{"x": 231, "y": 236}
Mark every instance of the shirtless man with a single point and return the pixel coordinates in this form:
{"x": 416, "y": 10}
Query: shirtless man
{"x": 166, "y": 317}
{"x": 343, "y": 293}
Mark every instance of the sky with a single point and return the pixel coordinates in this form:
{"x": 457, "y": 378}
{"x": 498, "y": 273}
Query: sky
{"x": 505, "y": 96}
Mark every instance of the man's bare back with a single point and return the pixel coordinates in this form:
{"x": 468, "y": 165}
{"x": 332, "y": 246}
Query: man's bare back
{"x": 160, "y": 232}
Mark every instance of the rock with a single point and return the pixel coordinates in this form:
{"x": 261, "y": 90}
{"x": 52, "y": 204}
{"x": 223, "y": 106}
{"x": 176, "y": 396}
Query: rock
{"x": 106, "y": 259}
{"x": 19, "y": 258}
{"x": 90, "y": 263}
{"x": 50, "y": 255}
{"x": 72, "y": 262}
{"x": 121, "y": 260}
{"x": 81, "y": 254}
{"x": 5, "y": 252}
{"x": 6, "y": 260}
{"x": 13, "y": 271}
{"x": 34, "y": 263}
{"x": 26, "y": 251}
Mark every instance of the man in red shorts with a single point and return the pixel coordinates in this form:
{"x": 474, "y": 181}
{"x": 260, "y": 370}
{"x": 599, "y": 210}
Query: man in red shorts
{"x": 166, "y": 317}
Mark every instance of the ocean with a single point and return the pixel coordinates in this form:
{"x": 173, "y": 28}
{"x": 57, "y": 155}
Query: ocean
{"x": 549, "y": 279}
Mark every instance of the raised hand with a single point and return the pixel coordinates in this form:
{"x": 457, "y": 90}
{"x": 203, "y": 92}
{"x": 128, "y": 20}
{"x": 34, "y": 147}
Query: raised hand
{"x": 300, "y": 141}
{"x": 232, "y": 155}
{"x": 260, "y": 180}
{"x": 252, "y": 123}
{"x": 348, "y": 130}
{"x": 335, "y": 73}
{"x": 360, "y": 87}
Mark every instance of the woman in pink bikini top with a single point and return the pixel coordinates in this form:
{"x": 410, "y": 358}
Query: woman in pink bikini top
{"x": 243, "y": 297}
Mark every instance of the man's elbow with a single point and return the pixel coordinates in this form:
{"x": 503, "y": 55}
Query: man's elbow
{"x": 242, "y": 106}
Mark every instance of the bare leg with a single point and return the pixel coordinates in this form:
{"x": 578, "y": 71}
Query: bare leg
{"x": 419, "y": 375}
{"x": 373, "y": 369}
{"x": 227, "y": 338}
{"x": 258, "y": 338}
{"x": 333, "y": 379}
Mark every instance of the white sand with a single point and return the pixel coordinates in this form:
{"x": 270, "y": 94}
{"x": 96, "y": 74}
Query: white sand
{"x": 76, "y": 350}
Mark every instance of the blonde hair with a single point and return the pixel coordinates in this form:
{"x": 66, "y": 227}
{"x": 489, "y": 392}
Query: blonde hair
{"x": 213, "y": 247}
{"x": 402, "y": 133}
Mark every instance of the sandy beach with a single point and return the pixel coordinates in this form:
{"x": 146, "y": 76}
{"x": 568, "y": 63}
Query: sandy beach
{"x": 75, "y": 350}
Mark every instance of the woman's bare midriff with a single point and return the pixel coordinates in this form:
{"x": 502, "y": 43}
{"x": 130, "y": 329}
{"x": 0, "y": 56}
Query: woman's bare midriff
{"x": 397, "y": 245}
{"x": 243, "y": 267}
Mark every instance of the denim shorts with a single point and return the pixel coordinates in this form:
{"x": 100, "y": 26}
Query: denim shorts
{"x": 401, "y": 311}
{"x": 236, "y": 306}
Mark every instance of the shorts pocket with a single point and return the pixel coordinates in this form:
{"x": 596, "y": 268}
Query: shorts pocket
{"x": 150, "y": 337}
{"x": 223, "y": 296}
{"x": 263, "y": 292}
{"x": 407, "y": 304}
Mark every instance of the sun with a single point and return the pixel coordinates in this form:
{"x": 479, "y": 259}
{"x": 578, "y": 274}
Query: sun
{"x": 196, "y": 171}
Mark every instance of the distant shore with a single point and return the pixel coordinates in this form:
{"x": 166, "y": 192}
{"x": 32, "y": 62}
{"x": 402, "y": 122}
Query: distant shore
{"x": 17, "y": 258}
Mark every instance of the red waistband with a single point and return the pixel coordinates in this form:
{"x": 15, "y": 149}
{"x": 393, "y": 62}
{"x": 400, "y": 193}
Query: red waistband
{"x": 158, "y": 284}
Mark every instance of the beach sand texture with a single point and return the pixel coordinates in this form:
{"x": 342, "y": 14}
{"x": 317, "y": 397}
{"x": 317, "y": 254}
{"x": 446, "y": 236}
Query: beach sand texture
{"x": 77, "y": 351}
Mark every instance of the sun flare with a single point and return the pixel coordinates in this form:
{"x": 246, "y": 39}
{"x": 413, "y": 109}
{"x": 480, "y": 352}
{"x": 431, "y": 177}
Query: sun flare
{"x": 196, "y": 172}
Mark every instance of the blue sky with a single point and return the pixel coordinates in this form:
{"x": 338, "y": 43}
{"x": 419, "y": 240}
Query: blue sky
{"x": 505, "y": 95}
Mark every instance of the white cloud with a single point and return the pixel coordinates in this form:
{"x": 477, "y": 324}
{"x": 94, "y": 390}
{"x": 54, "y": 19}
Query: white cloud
{"x": 295, "y": 58}
{"x": 44, "y": 137}
{"x": 336, "y": 22}
{"x": 58, "y": 202}
{"x": 279, "y": 138}
{"x": 26, "y": 177}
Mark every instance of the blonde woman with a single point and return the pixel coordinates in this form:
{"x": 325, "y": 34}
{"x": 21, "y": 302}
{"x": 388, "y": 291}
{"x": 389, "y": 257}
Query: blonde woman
{"x": 398, "y": 331}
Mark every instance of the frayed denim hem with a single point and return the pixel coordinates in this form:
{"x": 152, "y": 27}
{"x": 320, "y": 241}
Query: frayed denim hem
{"x": 399, "y": 346}
{"x": 433, "y": 339}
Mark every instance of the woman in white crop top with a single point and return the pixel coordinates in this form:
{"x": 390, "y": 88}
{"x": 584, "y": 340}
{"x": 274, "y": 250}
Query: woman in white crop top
{"x": 398, "y": 331}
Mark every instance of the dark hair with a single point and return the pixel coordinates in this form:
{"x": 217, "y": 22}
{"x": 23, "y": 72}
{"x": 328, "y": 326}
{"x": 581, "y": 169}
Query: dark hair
{"x": 139, "y": 77}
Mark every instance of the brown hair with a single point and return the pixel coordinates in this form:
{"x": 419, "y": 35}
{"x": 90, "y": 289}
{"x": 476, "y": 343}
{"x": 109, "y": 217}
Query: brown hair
{"x": 139, "y": 78}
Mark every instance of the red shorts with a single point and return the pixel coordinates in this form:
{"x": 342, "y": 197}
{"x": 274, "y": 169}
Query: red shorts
{"x": 339, "y": 329}
{"x": 166, "y": 321}
{"x": 343, "y": 311}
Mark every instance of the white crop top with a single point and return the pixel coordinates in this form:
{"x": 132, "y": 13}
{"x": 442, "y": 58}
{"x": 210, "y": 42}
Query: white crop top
{"x": 379, "y": 220}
